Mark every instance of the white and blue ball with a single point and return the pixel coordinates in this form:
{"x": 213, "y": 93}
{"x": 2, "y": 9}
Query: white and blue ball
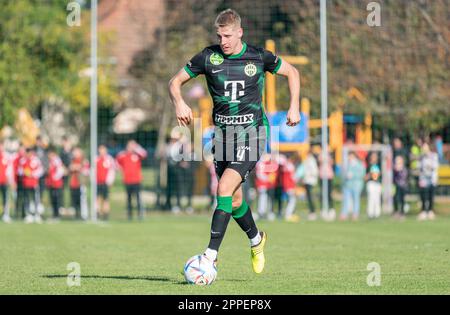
{"x": 200, "y": 270}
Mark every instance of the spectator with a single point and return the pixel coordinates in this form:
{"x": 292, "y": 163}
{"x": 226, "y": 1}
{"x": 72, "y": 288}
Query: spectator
{"x": 439, "y": 144}
{"x": 41, "y": 152}
{"x": 414, "y": 158}
{"x": 310, "y": 179}
{"x": 79, "y": 170}
{"x": 130, "y": 161}
{"x": 289, "y": 186}
{"x": 213, "y": 182}
{"x": 187, "y": 175}
{"x": 54, "y": 181}
{"x": 373, "y": 177}
{"x": 327, "y": 173}
{"x": 266, "y": 174}
{"x": 398, "y": 149}
{"x": 106, "y": 171}
{"x": 353, "y": 175}
{"x": 173, "y": 173}
{"x": 31, "y": 168}
{"x": 276, "y": 194}
{"x": 19, "y": 196}
{"x": 5, "y": 181}
{"x": 401, "y": 186}
{"x": 66, "y": 158}
{"x": 428, "y": 177}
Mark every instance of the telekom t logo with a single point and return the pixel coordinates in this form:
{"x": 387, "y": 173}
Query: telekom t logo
{"x": 234, "y": 89}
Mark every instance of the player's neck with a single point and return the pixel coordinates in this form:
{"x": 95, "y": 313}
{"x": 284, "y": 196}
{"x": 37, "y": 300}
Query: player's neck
{"x": 237, "y": 50}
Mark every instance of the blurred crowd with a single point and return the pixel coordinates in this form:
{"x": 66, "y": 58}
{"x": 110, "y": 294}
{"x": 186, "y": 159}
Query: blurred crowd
{"x": 282, "y": 180}
{"x": 32, "y": 171}
{"x": 274, "y": 189}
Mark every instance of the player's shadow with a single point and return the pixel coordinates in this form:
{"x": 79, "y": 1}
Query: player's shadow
{"x": 146, "y": 278}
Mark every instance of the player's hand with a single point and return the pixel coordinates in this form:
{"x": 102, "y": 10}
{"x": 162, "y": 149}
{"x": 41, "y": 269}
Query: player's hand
{"x": 184, "y": 114}
{"x": 293, "y": 117}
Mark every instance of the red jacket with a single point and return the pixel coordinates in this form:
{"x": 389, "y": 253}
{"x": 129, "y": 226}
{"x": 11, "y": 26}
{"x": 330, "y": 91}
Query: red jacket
{"x": 288, "y": 175}
{"x": 106, "y": 167}
{"x": 17, "y": 159}
{"x": 55, "y": 173}
{"x": 31, "y": 169}
{"x": 131, "y": 165}
{"x": 266, "y": 174}
{"x": 5, "y": 168}
{"x": 82, "y": 169}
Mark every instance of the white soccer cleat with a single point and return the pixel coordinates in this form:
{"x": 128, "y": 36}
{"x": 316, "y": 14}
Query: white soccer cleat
{"x": 312, "y": 216}
{"x": 422, "y": 216}
{"x": 6, "y": 219}
{"x": 431, "y": 215}
{"x": 38, "y": 219}
{"x": 29, "y": 219}
{"x": 40, "y": 208}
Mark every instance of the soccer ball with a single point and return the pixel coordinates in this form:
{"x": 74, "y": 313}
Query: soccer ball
{"x": 200, "y": 270}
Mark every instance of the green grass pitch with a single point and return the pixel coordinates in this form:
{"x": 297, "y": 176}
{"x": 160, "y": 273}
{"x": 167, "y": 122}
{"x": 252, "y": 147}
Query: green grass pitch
{"x": 147, "y": 257}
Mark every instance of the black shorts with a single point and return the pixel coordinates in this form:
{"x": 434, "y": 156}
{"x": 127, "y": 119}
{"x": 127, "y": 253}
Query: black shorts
{"x": 240, "y": 156}
{"x": 103, "y": 191}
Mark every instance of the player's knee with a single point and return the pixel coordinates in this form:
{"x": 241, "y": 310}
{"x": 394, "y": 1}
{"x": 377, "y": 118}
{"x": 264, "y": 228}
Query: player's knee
{"x": 224, "y": 190}
{"x": 237, "y": 202}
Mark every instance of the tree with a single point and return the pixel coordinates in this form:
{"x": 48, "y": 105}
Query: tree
{"x": 43, "y": 60}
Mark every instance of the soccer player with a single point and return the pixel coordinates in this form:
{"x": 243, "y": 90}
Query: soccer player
{"x": 265, "y": 181}
{"x": 19, "y": 159}
{"x": 79, "y": 170}
{"x": 130, "y": 162}
{"x": 289, "y": 185}
{"x": 235, "y": 73}
{"x": 31, "y": 169}
{"x": 106, "y": 171}
{"x": 5, "y": 180}
{"x": 54, "y": 180}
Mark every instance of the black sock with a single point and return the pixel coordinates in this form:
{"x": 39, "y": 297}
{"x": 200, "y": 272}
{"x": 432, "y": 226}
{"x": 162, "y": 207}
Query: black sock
{"x": 247, "y": 224}
{"x": 218, "y": 227}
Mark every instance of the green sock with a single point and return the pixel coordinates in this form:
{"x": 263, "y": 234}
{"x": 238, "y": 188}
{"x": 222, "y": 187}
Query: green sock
{"x": 224, "y": 203}
{"x": 239, "y": 212}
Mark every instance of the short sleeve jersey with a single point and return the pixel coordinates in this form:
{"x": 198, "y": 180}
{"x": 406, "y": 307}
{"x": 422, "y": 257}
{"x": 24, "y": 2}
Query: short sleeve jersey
{"x": 236, "y": 84}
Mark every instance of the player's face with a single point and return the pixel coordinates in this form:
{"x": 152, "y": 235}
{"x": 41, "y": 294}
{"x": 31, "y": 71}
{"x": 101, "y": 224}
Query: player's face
{"x": 229, "y": 38}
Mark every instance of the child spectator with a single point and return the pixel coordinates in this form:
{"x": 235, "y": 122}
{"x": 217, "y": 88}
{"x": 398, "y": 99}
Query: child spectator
{"x": 19, "y": 196}
{"x": 310, "y": 179}
{"x": 428, "y": 177}
{"x": 5, "y": 180}
{"x": 353, "y": 175}
{"x": 373, "y": 178}
{"x": 327, "y": 173}
{"x": 54, "y": 180}
{"x": 266, "y": 174}
{"x": 289, "y": 185}
{"x": 401, "y": 186}
{"x": 79, "y": 170}
{"x": 106, "y": 171}
{"x": 31, "y": 169}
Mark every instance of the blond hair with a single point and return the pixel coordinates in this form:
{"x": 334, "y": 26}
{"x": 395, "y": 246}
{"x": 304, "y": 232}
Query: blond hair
{"x": 228, "y": 17}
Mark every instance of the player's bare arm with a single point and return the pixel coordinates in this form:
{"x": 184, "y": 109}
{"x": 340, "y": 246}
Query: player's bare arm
{"x": 289, "y": 71}
{"x": 183, "y": 111}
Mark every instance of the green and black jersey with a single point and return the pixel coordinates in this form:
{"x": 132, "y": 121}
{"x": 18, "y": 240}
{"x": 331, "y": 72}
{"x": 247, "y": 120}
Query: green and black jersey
{"x": 236, "y": 84}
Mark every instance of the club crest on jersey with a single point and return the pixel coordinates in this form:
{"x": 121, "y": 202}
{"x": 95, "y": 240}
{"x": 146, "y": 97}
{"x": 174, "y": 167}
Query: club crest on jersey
{"x": 250, "y": 70}
{"x": 216, "y": 59}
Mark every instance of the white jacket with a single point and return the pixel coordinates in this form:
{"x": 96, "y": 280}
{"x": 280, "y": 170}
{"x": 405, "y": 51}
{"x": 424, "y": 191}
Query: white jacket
{"x": 311, "y": 170}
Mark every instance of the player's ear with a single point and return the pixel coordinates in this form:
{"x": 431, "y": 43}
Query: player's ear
{"x": 240, "y": 32}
